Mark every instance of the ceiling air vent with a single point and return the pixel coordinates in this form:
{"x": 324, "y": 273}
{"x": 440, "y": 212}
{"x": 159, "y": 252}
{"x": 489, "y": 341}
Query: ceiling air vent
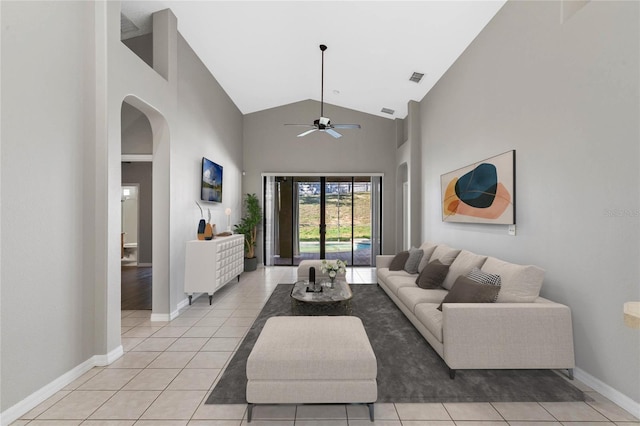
{"x": 388, "y": 111}
{"x": 416, "y": 77}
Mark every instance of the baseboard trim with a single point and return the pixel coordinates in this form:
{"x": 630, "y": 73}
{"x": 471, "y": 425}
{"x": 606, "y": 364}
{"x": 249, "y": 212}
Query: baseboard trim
{"x": 182, "y": 304}
{"x": 160, "y": 317}
{"x": 144, "y": 265}
{"x": 102, "y": 360}
{"x": 607, "y": 391}
{"x": 13, "y": 413}
{"x": 173, "y": 315}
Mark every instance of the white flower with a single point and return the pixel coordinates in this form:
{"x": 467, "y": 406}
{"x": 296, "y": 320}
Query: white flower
{"x": 333, "y": 268}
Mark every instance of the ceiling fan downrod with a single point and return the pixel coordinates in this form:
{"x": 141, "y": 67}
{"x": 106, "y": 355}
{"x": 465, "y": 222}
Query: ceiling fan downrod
{"x": 323, "y": 123}
{"x": 322, "y": 48}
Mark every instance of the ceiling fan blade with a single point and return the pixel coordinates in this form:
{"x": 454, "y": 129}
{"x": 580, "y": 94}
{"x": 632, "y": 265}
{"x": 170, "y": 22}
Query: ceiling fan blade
{"x": 346, "y": 126}
{"x": 323, "y": 124}
{"x": 333, "y": 133}
{"x": 306, "y": 133}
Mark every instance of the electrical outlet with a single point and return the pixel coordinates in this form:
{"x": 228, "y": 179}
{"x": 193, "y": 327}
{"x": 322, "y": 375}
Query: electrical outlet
{"x": 512, "y": 230}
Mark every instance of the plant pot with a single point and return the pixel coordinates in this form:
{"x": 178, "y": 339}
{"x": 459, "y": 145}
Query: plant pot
{"x": 250, "y": 264}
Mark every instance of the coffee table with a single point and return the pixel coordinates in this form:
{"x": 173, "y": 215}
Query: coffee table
{"x": 322, "y": 299}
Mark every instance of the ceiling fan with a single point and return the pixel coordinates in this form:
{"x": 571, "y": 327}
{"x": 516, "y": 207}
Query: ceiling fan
{"x": 323, "y": 124}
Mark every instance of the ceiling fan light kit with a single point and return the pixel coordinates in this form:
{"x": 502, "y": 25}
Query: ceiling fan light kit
{"x": 323, "y": 124}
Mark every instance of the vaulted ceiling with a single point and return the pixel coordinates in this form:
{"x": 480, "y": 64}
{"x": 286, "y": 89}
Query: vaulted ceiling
{"x": 265, "y": 53}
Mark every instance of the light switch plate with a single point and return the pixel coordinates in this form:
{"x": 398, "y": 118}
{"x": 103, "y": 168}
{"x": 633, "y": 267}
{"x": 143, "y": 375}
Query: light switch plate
{"x": 512, "y": 230}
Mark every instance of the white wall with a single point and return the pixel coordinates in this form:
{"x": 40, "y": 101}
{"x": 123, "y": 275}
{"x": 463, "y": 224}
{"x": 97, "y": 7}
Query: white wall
{"x": 269, "y": 146}
{"x": 565, "y": 96}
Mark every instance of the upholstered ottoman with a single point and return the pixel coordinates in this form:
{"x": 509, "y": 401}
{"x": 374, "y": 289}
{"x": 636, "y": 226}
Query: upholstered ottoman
{"x": 312, "y": 360}
{"x": 303, "y": 270}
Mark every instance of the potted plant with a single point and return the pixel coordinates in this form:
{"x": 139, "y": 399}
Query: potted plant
{"x": 249, "y": 227}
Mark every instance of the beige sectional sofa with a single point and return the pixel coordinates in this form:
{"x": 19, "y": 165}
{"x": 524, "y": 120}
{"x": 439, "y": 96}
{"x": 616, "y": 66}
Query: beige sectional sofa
{"x": 519, "y": 331}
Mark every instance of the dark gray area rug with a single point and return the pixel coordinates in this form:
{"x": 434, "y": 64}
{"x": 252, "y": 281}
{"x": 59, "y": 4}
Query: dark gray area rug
{"x": 409, "y": 370}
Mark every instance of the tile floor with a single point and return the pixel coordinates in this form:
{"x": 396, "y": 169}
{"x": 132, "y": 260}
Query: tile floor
{"x": 169, "y": 368}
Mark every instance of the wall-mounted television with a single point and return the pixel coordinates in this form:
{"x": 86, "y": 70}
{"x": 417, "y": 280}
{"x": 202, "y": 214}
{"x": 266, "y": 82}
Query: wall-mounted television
{"x": 211, "y": 185}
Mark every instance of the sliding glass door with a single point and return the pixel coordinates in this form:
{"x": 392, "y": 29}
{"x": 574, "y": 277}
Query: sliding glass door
{"x": 322, "y": 217}
{"x": 308, "y": 210}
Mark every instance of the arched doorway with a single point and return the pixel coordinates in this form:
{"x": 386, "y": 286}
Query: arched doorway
{"x": 136, "y": 210}
{"x": 140, "y": 115}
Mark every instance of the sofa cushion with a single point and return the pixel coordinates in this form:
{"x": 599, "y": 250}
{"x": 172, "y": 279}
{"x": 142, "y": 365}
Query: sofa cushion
{"x": 397, "y": 264}
{"x": 445, "y": 254}
{"x": 428, "y": 249}
{"x": 429, "y": 315}
{"x": 483, "y": 277}
{"x": 464, "y": 262}
{"x": 412, "y": 296}
{"x": 385, "y": 273}
{"x": 520, "y": 283}
{"x": 412, "y": 263}
{"x": 398, "y": 282}
{"x": 465, "y": 290}
{"x": 433, "y": 275}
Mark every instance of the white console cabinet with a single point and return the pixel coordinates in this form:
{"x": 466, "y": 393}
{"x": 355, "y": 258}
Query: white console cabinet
{"x": 212, "y": 264}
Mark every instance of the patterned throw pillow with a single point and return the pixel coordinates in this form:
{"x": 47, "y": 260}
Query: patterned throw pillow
{"x": 397, "y": 264}
{"x": 466, "y": 290}
{"x": 433, "y": 275}
{"x": 415, "y": 255}
{"x": 482, "y": 277}
{"x": 477, "y": 275}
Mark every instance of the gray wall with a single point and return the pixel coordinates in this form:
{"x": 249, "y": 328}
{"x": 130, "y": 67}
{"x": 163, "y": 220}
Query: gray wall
{"x": 47, "y": 306}
{"x": 140, "y": 173}
{"x": 565, "y": 96}
{"x": 209, "y": 125}
{"x": 136, "y": 134}
{"x": 269, "y": 146}
{"x": 142, "y": 46}
{"x": 60, "y": 179}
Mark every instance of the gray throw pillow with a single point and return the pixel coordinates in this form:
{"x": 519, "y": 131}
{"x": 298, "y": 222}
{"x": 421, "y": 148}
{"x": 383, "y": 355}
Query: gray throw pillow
{"x": 412, "y": 263}
{"x": 465, "y": 290}
{"x": 433, "y": 275}
{"x": 397, "y": 264}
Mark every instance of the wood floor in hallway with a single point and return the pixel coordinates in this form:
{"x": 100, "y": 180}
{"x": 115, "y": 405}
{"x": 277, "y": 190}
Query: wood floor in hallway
{"x": 135, "y": 288}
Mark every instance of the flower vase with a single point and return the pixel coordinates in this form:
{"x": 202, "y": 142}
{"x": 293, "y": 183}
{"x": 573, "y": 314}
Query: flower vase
{"x": 201, "y": 227}
{"x": 331, "y": 280}
{"x": 208, "y": 232}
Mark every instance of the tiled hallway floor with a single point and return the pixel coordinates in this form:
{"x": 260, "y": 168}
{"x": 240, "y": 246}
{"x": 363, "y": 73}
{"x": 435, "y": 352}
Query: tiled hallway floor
{"x": 169, "y": 369}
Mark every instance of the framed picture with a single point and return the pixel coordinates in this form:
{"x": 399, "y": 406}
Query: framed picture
{"x": 483, "y": 192}
{"x": 211, "y": 184}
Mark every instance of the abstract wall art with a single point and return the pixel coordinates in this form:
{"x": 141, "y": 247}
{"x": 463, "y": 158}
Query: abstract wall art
{"x": 483, "y": 192}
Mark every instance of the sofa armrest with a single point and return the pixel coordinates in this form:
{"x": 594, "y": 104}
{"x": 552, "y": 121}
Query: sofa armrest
{"x": 507, "y": 335}
{"x": 384, "y": 260}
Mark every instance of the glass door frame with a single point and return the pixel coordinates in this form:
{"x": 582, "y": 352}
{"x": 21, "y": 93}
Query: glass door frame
{"x": 376, "y": 212}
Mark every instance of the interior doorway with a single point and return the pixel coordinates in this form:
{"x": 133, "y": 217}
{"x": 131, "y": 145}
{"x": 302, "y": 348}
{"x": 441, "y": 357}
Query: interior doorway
{"x": 322, "y": 217}
{"x": 136, "y": 238}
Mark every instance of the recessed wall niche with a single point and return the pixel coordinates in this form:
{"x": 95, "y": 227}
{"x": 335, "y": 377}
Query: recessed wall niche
{"x": 136, "y": 31}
